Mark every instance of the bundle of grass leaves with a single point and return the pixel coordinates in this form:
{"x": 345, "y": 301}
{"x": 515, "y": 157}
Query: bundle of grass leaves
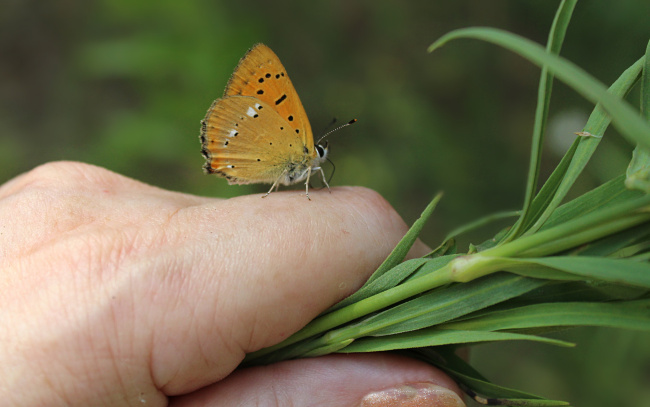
{"x": 581, "y": 263}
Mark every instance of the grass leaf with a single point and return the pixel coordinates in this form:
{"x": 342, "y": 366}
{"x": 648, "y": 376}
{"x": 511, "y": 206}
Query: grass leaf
{"x": 553, "y": 46}
{"x": 382, "y": 283}
{"x": 619, "y": 271}
{"x": 627, "y": 315}
{"x": 624, "y": 117}
{"x": 638, "y": 172}
{"x": 438, "y": 337}
{"x": 577, "y": 157}
{"x": 610, "y": 193}
{"x": 399, "y": 252}
{"x": 438, "y": 306}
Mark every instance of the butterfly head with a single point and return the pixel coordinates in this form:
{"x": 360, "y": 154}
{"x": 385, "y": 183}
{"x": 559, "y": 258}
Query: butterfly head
{"x": 322, "y": 150}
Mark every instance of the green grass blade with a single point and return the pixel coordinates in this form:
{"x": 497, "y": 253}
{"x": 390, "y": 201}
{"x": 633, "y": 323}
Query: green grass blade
{"x": 438, "y": 306}
{"x": 387, "y": 280}
{"x": 638, "y": 172}
{"x": 438, "y": 337}
{"x": 578, "y": 239}
{"x": 615, "y": 244}
{"x": 446, "y": 247}
{"x": 548, "y": 191}
{"x": 619, "y": 271}
{"x": 399, "y": 252}
{"x": 577, "y": 290}
{"x": 554, "y": 45}
{"x": 549, "y": 198}
{"x": 610, "y": 104}
{"x": 624, "y": 116}
{"x": 326, "y": 350}
{"x": 481, "y": 222}
{"x": 645, "y": 85}
{"x": 633, "y": 315}
{"x": 609, "y": 193}
{"x": 584, "y": 229}
{"x": 432, "y": 266}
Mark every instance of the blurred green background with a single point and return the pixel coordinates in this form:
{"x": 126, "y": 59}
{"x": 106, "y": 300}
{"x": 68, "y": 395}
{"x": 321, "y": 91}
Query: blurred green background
{"x": 124, "y": 84}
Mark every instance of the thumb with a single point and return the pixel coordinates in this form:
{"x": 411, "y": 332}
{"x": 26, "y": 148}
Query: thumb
{"x": 364, "y": 380}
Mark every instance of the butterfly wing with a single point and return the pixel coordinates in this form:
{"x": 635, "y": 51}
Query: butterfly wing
{"x": 246, "y": 141}
{"x": 261, "y": 74}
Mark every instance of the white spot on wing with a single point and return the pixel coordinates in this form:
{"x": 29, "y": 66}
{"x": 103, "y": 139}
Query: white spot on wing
{"x": 232, "y": 133}
{"x": 230, "y": 166}
{"x": 258, "y": 106}
{"x": 251, "y": 112}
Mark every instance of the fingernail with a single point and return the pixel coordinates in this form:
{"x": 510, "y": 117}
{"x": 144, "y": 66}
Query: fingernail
{"x": 413, "y": 395}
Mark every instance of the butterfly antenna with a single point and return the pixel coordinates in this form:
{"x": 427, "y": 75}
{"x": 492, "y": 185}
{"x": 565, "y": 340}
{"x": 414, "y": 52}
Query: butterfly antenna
{"x": 336, "y": 129}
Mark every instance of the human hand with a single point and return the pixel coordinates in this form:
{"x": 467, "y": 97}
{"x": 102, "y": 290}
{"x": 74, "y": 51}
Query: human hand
{"x": 117, "y": 293}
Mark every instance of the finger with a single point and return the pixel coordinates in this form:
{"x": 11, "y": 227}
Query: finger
{"x": 368, "y": 380}
{"x": 48, "y": 202}
{"x": 259, "y": 270}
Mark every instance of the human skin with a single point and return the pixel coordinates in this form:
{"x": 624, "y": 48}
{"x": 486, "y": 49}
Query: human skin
{"x": 118, "y": 293}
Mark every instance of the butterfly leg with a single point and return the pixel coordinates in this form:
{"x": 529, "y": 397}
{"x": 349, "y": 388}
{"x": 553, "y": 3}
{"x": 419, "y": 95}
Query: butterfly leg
{"x": 275, "y": 185}
{"x": 307, "y": 183}
{"x": 322, "y": 173}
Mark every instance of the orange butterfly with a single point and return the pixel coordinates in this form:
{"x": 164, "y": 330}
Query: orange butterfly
{"x": 258, "y": 132}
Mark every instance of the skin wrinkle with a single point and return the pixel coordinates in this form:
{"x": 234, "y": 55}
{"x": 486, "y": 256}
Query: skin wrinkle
{"x": 190, "y": 340}
{"x": 85, "y": 267}
{"x": 268, "y": 250}
{"x": 104, "y": 345}
{"x": 217, "y": 311}
{"x": 378, "y": 240}
{"x": 113, "y": 357}
{"x": 202, "y": 300}
{"x": 229, "y": 342}
{"x": 116, "y": 325}
{"x": 124, "y": 303}
{"x": 168, "y": 298}
{"x": 67, "y": 219}
{"x": 221, "y": 273}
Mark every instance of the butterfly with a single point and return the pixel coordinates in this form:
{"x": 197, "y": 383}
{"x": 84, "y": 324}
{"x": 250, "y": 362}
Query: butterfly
{"x": 258, "y": 132}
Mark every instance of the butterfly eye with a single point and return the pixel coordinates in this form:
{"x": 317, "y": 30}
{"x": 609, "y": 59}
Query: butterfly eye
{"x": 322, "y": 150}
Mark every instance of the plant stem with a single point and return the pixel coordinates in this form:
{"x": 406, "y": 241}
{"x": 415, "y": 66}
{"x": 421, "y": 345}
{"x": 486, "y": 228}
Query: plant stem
{"x": 592, "y": 221}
